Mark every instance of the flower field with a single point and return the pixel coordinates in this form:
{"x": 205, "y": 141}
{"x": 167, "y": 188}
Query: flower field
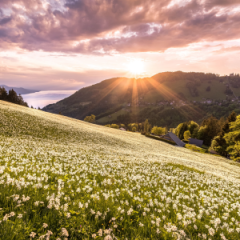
{"x": 61, "y": 178}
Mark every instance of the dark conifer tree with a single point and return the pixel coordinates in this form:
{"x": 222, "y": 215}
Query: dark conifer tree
{"x": 3, "y": 94}
{"x": 12, "y": 97}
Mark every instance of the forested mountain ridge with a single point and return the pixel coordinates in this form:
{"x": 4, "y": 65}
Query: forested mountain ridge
{"x": 166, "y": 98}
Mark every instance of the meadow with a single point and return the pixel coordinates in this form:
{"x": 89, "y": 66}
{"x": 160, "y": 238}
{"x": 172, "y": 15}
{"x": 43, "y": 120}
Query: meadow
{"x": 62, "y": 178}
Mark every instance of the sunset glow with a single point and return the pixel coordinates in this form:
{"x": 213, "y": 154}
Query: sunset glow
{"x": 66, "y": 44}
{"x": 136, "y": 67}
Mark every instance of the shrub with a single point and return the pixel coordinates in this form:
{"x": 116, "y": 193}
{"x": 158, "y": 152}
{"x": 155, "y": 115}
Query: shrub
{"x": 195, "y": 148}
{"x": 90, "y": 119}
{"x": 115, "y": 126}
{"x": 208, "y": 89}
{"x": 158, "y": 131}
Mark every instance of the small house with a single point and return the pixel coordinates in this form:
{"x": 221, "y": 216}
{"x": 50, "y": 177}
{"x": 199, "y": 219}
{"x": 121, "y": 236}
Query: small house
{"x": 196, "y": 142}
{"x": 173, "y": 138}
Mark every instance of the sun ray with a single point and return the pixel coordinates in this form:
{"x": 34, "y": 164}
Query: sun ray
{"x": 135, "y": 99}
{"x": 103, "y": 94}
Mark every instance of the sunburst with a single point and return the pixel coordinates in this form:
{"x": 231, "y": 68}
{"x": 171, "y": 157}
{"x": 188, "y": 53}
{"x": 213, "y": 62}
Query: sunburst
{"x": 136, "y": 67}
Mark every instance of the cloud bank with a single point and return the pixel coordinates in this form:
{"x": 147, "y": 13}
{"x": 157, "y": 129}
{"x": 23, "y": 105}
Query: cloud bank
{"x": 115, "y": 26}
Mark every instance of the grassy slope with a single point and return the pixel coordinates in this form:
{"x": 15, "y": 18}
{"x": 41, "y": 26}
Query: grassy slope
{"x": 105, "y": 120}
{"x": 113, "y": 117}
{"x": 42, "y": 148}
{"x": 216, "y": 93}
{"x": 30, "y": 122}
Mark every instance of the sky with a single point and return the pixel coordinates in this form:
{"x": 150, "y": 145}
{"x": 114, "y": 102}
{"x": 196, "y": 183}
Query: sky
{"x": 70, "y": 44}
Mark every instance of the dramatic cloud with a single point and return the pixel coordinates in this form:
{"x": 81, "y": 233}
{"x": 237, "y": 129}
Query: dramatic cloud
{"x": 110, "y": 26}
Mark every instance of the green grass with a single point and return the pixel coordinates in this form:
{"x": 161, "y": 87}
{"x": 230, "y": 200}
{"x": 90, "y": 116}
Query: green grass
{"x": 114, "y": 116}
{"x": 216, "y": 93}
{"x": 61, "y": 178}
{"x": 105, "y": 120}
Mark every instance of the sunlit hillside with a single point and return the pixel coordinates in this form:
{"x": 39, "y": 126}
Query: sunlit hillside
{"x": 62, "y": 178}
{"x": 166, "y": 99}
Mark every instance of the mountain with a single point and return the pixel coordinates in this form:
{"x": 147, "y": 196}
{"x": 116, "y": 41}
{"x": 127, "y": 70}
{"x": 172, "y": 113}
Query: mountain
{"x": 19, "y": 90}
{"x": 166, "y": 98}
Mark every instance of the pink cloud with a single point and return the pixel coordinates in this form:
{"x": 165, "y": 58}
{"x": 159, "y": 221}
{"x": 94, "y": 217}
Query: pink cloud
{"x": 50, "y": 79}
{"x": 144, "y": 25}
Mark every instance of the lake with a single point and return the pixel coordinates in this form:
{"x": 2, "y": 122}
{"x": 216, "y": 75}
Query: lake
{"x": 43, "y": 98}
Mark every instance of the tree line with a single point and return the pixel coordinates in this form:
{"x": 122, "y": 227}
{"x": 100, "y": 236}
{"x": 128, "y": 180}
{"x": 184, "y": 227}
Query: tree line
{"x": 133, "y": 127}
{"x": 221, "y": 135}
{"x": 12, "y": 97}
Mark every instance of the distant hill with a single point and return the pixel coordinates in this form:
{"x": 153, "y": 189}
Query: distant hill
{"x": 166, "y": 98}
{"x": 19, "y": 90}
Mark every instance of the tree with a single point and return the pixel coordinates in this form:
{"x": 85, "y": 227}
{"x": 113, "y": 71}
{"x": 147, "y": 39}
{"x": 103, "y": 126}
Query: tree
{"x": 234, "y": 151}
{"x": 154, "y": 130}
{"x": 192, "y": 126}
{"x": 195, "y": 133}
{"x": 219, "y": 143}
{"x": 134, "y": 125}
{"x": 222, "y": 121}
{"x": 233, "y": 140}
{"x": 228, "y": 91}
{"x": 208, "y": 89}
{"x": 209, "y": 129}
{"x": 187, "y": 135}
{"x": 201, "y": 132}
{"x": 146, "y": 126}
{"x": 134, "y": 129}
{"x": 172, "y": 130}
{"x": 90, "y": 119}
{"x": 3, "y": 94}
{"x": 181, "y": 128}
{"x": 11, "y": 97}
{"x": 158, "y": 130}
{"x": 231, "y": 118}
{"x": 20, "y": 101}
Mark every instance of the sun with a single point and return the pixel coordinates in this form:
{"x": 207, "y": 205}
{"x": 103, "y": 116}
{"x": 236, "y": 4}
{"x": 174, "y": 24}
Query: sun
{"x": 136, "y": 67}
